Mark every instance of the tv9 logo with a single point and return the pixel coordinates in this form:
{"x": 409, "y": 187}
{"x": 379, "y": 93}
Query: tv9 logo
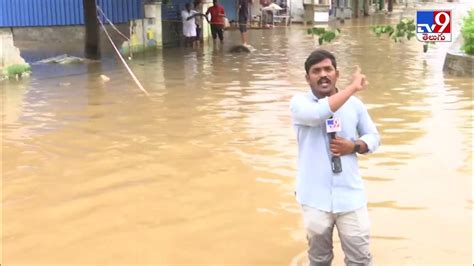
{"x": 433, "y": 25}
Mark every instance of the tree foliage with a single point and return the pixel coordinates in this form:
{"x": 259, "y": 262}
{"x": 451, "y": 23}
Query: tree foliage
{"x": 467, "y": 32}
{"x": 324, "y": 34}
{"x": 406, "y": 28}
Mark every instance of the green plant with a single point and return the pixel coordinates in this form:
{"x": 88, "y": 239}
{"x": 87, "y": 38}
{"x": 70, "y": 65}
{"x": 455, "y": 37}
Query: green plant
{"x": 404, "y": 29}
{"x": 324, "y": 34}
{"x": 467, "y": 32}
{"x": 16, "y": 71}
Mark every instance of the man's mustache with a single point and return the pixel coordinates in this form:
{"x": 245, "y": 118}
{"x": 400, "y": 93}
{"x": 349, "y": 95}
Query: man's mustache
{"x": 324, "y": 80}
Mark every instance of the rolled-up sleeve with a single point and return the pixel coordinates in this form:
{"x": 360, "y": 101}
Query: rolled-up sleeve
{"x": 309, "y": 112}
{"x": 367, "y": 130}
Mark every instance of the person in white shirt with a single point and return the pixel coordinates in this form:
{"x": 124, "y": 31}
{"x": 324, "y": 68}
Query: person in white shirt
{"x": 332, "y": 196}
{"x": 189, "y": 25}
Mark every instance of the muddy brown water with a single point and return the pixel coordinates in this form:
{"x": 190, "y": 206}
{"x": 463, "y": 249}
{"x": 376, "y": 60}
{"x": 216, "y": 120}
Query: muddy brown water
{"x": 202, "y": 171}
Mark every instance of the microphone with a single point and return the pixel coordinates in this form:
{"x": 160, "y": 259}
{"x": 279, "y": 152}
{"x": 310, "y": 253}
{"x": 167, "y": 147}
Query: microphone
{"x": 336, "y": 164}
{"x": 333, "y": 125}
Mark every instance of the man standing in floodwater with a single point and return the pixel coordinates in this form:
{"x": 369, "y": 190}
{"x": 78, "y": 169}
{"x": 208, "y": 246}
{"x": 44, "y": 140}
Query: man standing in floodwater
{"x": 243, "y": 18}
{"x": 189, "y": 25}
{"x": 217, "y": 20}
{"x": 329, "y": 187}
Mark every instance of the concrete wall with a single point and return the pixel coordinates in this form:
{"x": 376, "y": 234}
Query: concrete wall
{"x": 9, "y": 54}
{"x": 145, "y": 33}
{"x": 457, "y": 62}
{"x": 64, "y": 34}
{"x": 301, "y": 11}
{"x": 37, "y": 43}
{"x": 297, "y": 11}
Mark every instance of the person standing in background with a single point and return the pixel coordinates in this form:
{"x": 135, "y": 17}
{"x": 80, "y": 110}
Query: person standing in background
{"x": 189, "y": 25}
{"x": 217, "y": 20}
{"x": 243, "y": 18}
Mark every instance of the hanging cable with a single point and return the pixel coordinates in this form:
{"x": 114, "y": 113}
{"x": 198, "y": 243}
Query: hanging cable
{"x": 112, "y": 24}
{"x": 121, "y": 58}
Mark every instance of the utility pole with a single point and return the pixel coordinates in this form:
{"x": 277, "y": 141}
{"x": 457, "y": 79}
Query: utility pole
{"x": 92, "y": 41}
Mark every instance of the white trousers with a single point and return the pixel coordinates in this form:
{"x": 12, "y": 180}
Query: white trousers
{"x": 354, "y": 232}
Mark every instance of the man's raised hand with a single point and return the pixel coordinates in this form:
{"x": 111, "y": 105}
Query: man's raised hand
{"x": 359, "y": 81}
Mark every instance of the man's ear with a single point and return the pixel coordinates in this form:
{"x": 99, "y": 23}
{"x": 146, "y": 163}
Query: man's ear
{"x": 307, "y": 78}
{"x": 337, "y": 73}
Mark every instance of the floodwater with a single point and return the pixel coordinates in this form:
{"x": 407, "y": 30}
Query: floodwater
{"x": 202, "y": 171}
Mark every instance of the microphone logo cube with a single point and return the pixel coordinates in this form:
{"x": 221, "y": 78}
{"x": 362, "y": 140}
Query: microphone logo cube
{"x": 433, "y": 25}
{"x": 333, "y": 125}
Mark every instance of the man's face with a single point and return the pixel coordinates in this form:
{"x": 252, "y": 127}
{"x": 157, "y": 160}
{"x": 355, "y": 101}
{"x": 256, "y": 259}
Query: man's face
{"x": 322, "y": 78}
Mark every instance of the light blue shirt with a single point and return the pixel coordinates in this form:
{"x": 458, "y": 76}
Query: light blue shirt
{"x": 316, "y": 185}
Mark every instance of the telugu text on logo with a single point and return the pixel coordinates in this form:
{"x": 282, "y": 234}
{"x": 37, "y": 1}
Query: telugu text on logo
{"x": 433, "y": 25}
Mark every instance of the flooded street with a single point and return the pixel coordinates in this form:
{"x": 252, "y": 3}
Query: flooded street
{"x": 202, "y": 172}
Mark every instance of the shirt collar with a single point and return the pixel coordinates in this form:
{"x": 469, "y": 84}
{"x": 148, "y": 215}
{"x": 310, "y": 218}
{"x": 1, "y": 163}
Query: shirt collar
{"x": 314, "y": 97}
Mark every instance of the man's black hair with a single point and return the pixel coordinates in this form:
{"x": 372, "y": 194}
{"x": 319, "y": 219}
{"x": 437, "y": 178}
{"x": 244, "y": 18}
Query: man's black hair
{"x": 317, "y": 56}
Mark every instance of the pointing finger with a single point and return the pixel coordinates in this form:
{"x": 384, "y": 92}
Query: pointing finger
{"x": 358, "y": 70}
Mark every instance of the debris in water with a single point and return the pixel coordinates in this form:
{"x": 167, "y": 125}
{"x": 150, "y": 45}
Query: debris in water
{"x": 62, "y": 59}
{"x": 64, "y": 84}
{"x": 104, "y": 78}
{"x": 242, "y": 49}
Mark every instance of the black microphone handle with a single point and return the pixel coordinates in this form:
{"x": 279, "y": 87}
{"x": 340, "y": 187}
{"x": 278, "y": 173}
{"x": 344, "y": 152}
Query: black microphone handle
{"x": 336, "y": 164}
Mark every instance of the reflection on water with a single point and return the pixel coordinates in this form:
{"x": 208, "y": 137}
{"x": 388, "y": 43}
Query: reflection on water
{"x": 393, "y": 205}
{"x": 202, "y": 171}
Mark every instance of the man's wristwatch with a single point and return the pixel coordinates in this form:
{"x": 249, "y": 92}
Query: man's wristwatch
{"x": 356, "y": 148}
